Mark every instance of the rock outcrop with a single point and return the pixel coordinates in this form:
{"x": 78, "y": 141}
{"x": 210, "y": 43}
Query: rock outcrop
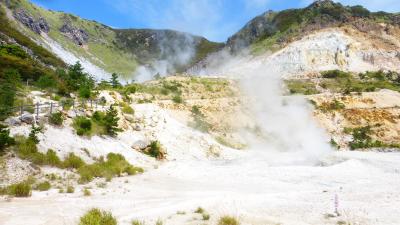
{"x": 36, "y": 25}
{"x": 78, "y": 36}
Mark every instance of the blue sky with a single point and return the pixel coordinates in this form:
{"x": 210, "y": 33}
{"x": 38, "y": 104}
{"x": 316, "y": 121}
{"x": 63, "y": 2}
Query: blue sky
{"x": 213, "y": 19}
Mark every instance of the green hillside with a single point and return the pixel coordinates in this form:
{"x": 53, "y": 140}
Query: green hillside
{"x": 120, "y": 51}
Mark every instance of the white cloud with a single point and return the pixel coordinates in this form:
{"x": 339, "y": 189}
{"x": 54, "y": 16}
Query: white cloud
{"x": 201, "y": 17}
{"x": 256, "y": 3}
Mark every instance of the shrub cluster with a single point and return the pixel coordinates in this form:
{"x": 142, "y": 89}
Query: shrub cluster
{"x": 56, "y": 119}
{"x": 19, "y": 190}
{"x": 228, "y": 220}
{"x": 5, "y": 139}
{"x": 98, "y": 217}
{"x": 331, "y": 106}
{"x": 199, "y": 121}
{"x": 362, "y": 139}
{"x": 100, "y": 123}
{"x": 115, "y": 165}
{"x": 82, "y": 125}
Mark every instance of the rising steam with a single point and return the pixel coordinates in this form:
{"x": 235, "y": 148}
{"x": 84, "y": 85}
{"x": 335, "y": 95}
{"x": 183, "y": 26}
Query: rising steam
{"x": 290, "y": 135}
{"x": 175, "y": 53}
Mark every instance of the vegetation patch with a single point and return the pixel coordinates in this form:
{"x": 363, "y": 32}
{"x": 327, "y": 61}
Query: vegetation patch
{"x": 199, "y": 120}
{"x": 56, "y": 119}
{"x": 44, "y": 186}
{"x": 5, "y": 139}
{"x": 99, "y": 124}
{"x": 228, "y": 220}
{"x": 362, "y": 139}
{"x": 98, "y": 217}
{"x": 19, "y": 190}
{"x": 115, "y": 165}
{"x": 304, "y": 87}
{"x": 331, "y": 106}
{"x": 155, "y": 150}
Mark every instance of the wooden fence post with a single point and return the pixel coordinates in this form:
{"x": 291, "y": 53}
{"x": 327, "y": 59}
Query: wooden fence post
{"x": 22, "y": 110}
{"x": 37, "y": 110}
{"x": 51, "y": 108}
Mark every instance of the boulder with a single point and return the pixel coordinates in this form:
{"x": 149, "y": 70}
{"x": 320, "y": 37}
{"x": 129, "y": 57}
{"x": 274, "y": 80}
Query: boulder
{"x": 140, "y": 145}
{"x": 130, "y": 118}
{"x": 13, "y": 121}
{"x": 79, "y": 36}
{"x": 29, "y": 21}
{"x": 27, "y": 117}
{"x": 137, "y": 127}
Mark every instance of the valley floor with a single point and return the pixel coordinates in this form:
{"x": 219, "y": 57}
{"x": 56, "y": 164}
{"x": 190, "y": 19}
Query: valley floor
{"x": 247, "y": 187}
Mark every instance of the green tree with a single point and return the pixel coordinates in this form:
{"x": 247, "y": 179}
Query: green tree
{"x": 111, "y": 121}
{"x": 8, "y": 89}
{"x": 5, "y": 139}
{"x": 33, "y": 134}
{"x": 114, "y": 81}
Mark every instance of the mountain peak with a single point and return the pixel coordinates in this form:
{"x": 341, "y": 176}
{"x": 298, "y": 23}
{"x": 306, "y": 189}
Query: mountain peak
{"x": 322, "y": 4}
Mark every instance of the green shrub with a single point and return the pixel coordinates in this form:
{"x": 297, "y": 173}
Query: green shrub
{"x": 70, "y": 189}
{"x": 331, "y": 106}
{"x": 177, "y": 99}
{"x": 56, "y": 119}
{"x": 206, "y": 216}
{"x": 137, "y": 222}
{"x": 114, "y": 81}
{"x": 52, "y": 159}
{"x": 34, "y": 132}
{"x": 9, "y": 81}
{"x": 110, "y": 121}
{"x": 304, "y": 87}
{"x": 228, "y": 220}
{"x": 73, "y": 162}
{"x": 335, "y": 74}
{"x": 67, "y": 103}
{"x": 199, "y": 210}
{"x": 199, "y": 120}
{"x": 97, "y": 217}
{"x": 27, "y": 149}
{"x": 14, "y": 50}
{"x": 82, "y": 125}
{"x": 44, "y": 186}
{"x": 19, "y": 190}
{"x": 362, "y": 139}
{"x": 85, "y": 92}
{"x": 86, "y": 192}
{"x": 155, "y": 150}
{"x": 46, "y": 81}
{"x": 127, "y": 109}
{"x": 5, "y": 139}
{"x": 115, "y": 165}
{"x": 159, "y": 222}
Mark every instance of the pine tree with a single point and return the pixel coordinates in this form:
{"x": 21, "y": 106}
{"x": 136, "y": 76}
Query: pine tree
{"x": 5, "y": 139}
{"x": 111, "y": 121}
{"x": 114, "y": 81}
{"x": 8, "y": 90}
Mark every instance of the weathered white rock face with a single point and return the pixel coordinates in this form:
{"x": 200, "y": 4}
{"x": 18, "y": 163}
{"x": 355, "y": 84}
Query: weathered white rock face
{"x": 71, "y": 58}
{"x": 326, "y": 50}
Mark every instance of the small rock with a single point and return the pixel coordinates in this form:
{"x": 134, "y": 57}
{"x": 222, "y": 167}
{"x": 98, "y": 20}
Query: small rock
{"x": 140, "y": 145}
{"x": 13, "y": 121}
{"x": 130, "y": 118}
{"x": 137, "y": 127}
{"x": 27, "y": 118}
